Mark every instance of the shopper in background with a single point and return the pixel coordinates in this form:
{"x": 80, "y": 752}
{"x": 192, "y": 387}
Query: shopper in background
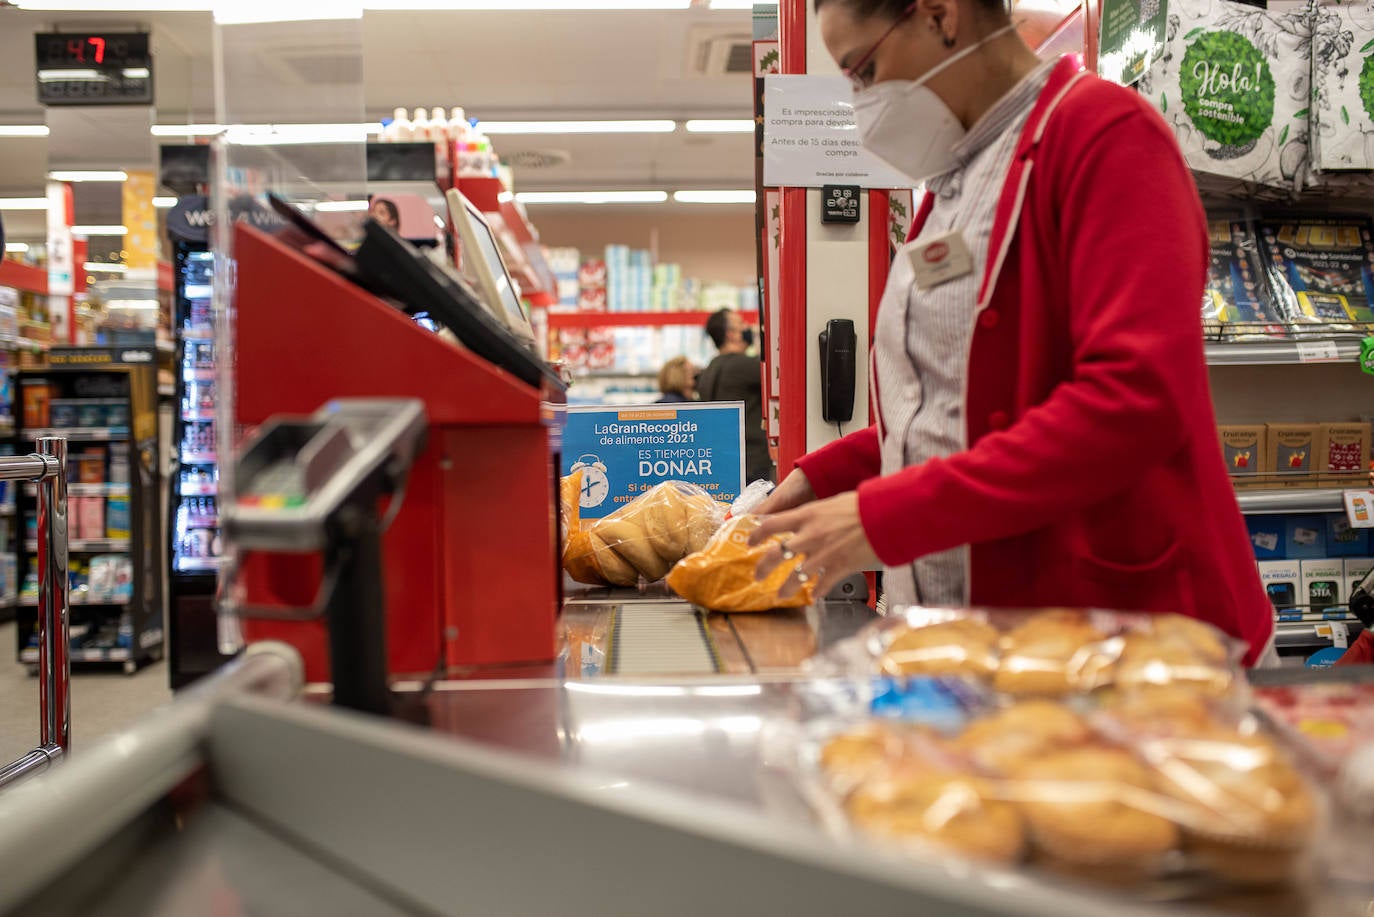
{"x": 384, "y": 211}
{"x": 677, "y": 380}
{"x": 1045, "y": 433}
{"x": 735, "y": 376}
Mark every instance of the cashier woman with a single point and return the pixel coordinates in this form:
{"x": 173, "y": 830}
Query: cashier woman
{"x": 1044, "y": 431}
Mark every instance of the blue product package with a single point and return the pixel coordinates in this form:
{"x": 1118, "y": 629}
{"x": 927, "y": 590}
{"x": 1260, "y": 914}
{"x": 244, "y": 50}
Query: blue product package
{"x": 945, "y": 704}
{"x": 117, "y": 520}
{"x": 1304, "y": 537}
{"x": 1267, "y": 536}
{"x": 1342, "y": 540}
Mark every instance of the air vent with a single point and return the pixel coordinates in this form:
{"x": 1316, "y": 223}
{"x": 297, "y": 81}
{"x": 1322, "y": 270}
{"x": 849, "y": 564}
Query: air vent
{"x": 536, "y": 159}
{"x": 715, "y": 53}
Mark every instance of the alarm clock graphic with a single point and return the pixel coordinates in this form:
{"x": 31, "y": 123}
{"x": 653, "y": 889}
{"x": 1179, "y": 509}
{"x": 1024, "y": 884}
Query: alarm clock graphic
{"x": 595, "y": 485}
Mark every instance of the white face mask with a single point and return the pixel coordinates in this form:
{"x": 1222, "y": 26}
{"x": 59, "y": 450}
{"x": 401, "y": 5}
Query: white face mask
{"x": 908, "y": 126}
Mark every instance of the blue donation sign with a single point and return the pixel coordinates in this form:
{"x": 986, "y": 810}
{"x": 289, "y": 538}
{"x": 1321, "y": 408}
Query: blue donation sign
{"x": 624, "y": 451}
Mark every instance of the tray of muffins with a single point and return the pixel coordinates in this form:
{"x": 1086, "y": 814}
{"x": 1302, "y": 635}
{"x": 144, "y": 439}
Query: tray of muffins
{"x": 1109, "y": 747}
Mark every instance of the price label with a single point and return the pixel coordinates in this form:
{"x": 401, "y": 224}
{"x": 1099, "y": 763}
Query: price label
{"x": 1318, "y": 352}
{"x": 1359, "y": 508}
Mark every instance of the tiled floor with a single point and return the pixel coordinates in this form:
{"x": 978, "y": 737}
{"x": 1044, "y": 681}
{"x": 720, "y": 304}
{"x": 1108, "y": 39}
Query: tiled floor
{"x": 103, "y": 700}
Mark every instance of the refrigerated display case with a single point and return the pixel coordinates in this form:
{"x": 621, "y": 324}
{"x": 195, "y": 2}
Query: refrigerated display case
{"x": 193, "y": 526}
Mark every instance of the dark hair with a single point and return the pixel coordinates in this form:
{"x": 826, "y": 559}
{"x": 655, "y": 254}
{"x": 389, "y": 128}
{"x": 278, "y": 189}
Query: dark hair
{"x": 892, "y": 10}
{"x": 717, "y": 326}
{"x": 387, "y": 205}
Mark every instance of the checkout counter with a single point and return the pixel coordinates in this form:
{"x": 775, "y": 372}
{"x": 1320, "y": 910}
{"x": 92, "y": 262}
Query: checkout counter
{"x": 634, "y": 775}
{"x": 614, "y": 759}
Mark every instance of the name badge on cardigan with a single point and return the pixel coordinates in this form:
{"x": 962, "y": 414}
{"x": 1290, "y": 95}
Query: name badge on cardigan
{"x": 941, "y": 259}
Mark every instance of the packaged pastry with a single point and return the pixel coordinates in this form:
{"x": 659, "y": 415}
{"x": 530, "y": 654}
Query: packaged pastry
{"x": 1145, "y": 790}
{"x": 1049, "y": 653}
{"x": 720, "y": 576}
{"x": 641, "y": 540}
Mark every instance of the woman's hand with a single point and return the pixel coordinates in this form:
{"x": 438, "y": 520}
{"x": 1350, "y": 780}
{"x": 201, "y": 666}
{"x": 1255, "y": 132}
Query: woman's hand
{"x": 794, "y": 491}
{"x": 830, "y": 534}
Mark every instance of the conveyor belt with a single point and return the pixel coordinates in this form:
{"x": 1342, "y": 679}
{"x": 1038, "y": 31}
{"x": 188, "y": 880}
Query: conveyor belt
{"x": 667, "y": 638}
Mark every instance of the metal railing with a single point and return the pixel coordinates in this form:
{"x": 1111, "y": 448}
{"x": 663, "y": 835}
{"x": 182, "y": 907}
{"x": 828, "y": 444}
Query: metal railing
{"x": 48, "y": 469}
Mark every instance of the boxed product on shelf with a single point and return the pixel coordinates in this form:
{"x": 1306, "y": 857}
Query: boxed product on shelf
{"x": 1304, "y": 536}
{"x": 1282, "y": 581}
{"x": 87, "y": 466}
{"x": 1291, "y": 453}
{"x": 1319, "y": 267}
{"x": 1237, "y": 289}
{"x": 89, "y": 514}
{"x": 1323, "y": 583}
{"x": 1344, "y": 452}
{"x": 1266, "y": 535}
{"x": 1355, "y": 570}
{"x": 37, "y": 395}
{"x": 1342, "y": 87}
{"x": 1233, "y": 82}
{"x": 1244, "y": 448}
{"x": 117, "y": 517}
{"x": 1343, "y": 539}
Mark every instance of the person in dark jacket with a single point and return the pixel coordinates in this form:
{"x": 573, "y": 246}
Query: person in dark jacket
{"x": 735, "y": 376}
{"x": 677, "y": 380}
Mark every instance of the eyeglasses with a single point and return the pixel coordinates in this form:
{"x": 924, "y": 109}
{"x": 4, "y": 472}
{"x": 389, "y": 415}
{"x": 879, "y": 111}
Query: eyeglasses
{"x": 852, "y": 71}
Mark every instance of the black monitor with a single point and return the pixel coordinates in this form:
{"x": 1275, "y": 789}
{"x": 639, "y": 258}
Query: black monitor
{"x": 387, "y": 261}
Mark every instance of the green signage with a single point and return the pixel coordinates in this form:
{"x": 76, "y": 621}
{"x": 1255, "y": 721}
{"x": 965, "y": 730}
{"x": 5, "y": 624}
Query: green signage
{"x": 1227, "y": 89}
{"x": 1131, "y": 37}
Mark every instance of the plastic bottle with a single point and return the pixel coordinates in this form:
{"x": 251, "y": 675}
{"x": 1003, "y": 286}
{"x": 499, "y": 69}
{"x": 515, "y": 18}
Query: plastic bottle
{"x": 400, "y": 129}
{"x": 438, "y": 125}
{"x": 419, "y": 125}
{"x": 457, "y": 124}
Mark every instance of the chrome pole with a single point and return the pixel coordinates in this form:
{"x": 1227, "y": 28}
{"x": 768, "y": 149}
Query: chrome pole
{"x": 54, "y": 624}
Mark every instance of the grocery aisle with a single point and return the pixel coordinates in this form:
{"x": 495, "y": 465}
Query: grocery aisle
{"x": 103, "y": 701}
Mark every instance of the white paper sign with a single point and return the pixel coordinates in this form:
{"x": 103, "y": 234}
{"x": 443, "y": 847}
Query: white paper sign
{"x": 810, "y": 139}
{"x": 1359, "y": 508}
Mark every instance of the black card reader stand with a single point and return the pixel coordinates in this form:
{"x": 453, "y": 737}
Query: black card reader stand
{"x": 314, "y": 485}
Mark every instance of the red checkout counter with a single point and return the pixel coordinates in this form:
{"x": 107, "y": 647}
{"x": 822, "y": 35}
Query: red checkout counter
{"x": 473, "y": 577}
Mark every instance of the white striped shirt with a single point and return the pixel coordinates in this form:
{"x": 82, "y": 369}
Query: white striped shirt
{"x": 922, "y": 337}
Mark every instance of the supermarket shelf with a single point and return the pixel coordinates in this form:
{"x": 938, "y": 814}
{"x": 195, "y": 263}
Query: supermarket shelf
{"x": 1262, "y": 353}
{"x": 30, "y": 344}
{"x": 89, "y": 545}
{"x": 87, "y": 490}
{"x": 198, "y": 564}
{"x": 199, "y": 490}
{"x": 203, "y": 374}
{"x": 198, "y": 334}
{"x": 197, "y": 416}
{"x": 24, "y": 277}
{"x": 77, "y": 599}
{"x": 198, "y": 458}
{"x": 596, "y": 374}
{"x": 83, "y": 654}
{"x": 84, "y": 433}
{"x": 635, "y": 319}
{"x": 1324, "y": 500}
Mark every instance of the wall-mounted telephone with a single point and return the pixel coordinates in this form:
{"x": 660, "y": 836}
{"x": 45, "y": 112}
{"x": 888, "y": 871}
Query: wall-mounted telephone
{"x": 839, "y": 356}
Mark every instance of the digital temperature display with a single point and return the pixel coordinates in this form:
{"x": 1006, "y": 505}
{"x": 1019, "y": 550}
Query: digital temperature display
{"x": 86, "y": 68}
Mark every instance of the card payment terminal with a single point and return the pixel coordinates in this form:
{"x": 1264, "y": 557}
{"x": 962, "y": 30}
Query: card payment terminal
{"x": 314, "y": 485}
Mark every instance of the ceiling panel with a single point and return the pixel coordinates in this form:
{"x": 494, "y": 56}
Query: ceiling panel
{"x": 498, "y": 65}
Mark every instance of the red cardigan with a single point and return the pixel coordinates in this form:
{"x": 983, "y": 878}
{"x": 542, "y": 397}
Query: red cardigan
{"x": 1093, "y": 476}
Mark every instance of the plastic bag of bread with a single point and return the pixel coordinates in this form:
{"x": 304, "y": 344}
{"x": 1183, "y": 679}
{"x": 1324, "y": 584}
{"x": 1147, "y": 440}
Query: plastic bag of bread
{"x": 721, "y": 576}
{"x": 1160, "y": 792}
{"x": 1052, "y": 652}
{"x": 570, "y": 509}
{"x": 644, "y": 538}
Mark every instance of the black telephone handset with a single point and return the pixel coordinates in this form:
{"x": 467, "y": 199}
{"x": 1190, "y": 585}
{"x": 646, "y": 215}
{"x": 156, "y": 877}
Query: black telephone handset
{"x": 839, "y": 356}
